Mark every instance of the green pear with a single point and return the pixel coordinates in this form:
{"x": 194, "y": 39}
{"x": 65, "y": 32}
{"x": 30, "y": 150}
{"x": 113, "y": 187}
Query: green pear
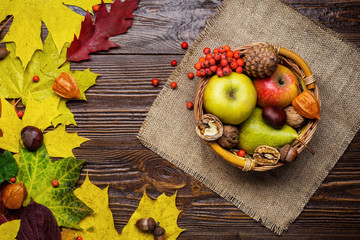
{"x": 255, "y": 132}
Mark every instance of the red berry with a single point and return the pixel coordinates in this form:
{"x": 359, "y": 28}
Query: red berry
{"x": 20, "y": 113}
{"x": 217, "y": 56}
{"x": 173, "y": 85}
{"x": 208, "y": 71}
{"x": 233, "y": 65}
{"x": 227, "y": 70}
{"x": 55, "y": 183}
{"x": 224, "y": 62}
{"x": 36, "y": 78}
{"x": 173, "y": 62}
{"x": 229, "y": 53}
{"x": 197, "y": 66}
{"x": 216, "y": 51}
{"x": 190, "y": 75}
{"x": 206, "y": 63}
{"x": 202, "y": 64}
{"x": 206, "y": 50}
{"x": 155, "y": 82}
{"x": 230, "y": 60}
{"x": 237, "y": 54}
{"x": 212, "y": 61}
{"x": 227, "y": 48}
{"x": 239, "y": 69}
{"x": 219, "y": 72}
{"x": 96, "y": 8}
{"x": 241, "y": 153}
{"x": 223, "y": 56}
{"x": 184, "y": 45}
{"x": 202, "y": 72}
{"x": 201, "y": 59}
{"x": 13, "y": 179}
{"x": 208, "y": 56}
{"x": 240, "y": 62}
{"x": 213, "y": 68}
{"x": 189, "y": 105}
{"x": 198, "y": 74}
{"x": 221, "y": 50}
{"x": 79, "y": 238}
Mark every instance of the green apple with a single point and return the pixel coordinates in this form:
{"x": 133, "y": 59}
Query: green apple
{"x": 231, "y": 98}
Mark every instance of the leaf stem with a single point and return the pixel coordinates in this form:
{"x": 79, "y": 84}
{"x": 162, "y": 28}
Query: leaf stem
{"x": 17, "y": 102}
{"x": 5, "y": 23}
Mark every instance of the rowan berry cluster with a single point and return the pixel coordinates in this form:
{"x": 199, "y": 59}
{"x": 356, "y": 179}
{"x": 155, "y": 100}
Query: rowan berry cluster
{"x": 222, "y": 61}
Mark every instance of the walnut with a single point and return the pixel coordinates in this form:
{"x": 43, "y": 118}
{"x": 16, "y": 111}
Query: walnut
{"x": 294, "y": 119}
{"x": 230, "y": 137}
{"x": 209, "y": 127}
{"x": 266, "y": 155}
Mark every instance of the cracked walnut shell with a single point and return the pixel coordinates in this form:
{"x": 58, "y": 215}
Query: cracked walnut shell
{"x": 209, "y": 127}
{"x": 266, "y": 155}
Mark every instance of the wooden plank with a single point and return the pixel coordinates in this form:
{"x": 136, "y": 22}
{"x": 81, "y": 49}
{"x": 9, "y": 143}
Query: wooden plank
{"x": 118, "y": 105}
{"x": 160, "y": 27}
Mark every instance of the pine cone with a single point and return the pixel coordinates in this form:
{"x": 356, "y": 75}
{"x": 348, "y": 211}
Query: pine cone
{"x": 261, "y": 60}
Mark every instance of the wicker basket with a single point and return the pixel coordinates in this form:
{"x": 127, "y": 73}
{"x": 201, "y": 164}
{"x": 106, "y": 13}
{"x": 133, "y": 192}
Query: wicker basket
{"x": 307, "y": 82}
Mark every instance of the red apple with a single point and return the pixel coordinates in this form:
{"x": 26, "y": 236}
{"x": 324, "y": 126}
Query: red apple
{"x": 279, "y": 89}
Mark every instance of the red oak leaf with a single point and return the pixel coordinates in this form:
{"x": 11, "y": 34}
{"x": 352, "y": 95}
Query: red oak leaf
{"x": 94, "y": 36}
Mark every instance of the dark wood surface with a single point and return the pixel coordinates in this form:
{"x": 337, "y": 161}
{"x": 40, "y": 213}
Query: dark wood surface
{"x": 118, "y": 105}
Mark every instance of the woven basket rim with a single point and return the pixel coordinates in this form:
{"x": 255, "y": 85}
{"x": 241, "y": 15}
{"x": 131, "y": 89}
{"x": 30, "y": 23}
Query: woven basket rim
{"x": 303, "y": 72}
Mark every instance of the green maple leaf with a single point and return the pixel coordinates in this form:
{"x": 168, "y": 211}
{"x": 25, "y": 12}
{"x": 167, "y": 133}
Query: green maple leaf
{"x": 8, "y": 167}
{"x": 15, "y": 82}
{"x": 40, "y": 115}
{"x": 60, "y": 20}
{"x": 37, "y": 171}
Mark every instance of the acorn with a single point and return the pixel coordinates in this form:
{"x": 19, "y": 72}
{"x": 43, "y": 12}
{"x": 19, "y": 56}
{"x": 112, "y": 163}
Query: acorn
{"x": 146, "y": 224}
{"x": 288, "y": 153}
{"x": 159, "y": 233}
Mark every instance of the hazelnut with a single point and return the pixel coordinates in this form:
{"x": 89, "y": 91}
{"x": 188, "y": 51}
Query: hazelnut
{"x": 14, "y": 195}
{"x": 294, "y": 119}
{"x": 230, "y": 137}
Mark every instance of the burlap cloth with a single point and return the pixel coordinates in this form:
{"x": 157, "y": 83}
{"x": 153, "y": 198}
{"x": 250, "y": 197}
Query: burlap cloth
{"x": 277, "y": 197}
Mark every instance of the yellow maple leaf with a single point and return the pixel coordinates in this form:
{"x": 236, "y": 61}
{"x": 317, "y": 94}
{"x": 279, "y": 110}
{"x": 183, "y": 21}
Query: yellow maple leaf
{"x": 60, "y": 20}
{"x": 163, "y": 210}
{"x": 98, "y": 224}
{"x": 38, "y": 114}
{"x": 9, "y": 230}
{"x": 59, "y": 143}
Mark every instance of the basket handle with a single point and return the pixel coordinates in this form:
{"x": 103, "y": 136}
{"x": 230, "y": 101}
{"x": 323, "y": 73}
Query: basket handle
{"x": 301, "y": 62}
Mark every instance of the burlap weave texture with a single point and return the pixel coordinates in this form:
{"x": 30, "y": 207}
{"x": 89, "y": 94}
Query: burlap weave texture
{"x": 277, "y": 197}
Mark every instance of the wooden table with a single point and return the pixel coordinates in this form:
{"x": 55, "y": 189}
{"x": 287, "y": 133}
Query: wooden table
{"x": 118, "y": 104}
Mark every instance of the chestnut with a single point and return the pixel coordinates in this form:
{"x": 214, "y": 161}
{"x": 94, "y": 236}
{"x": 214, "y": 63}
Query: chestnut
{"x": 274, "y": 116}
{"x": 32, "y": 137}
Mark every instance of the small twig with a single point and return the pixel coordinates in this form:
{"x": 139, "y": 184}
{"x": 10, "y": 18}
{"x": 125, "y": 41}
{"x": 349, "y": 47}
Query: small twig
{"x": 17, "y": 102}
{"x": 5, "y": 23}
